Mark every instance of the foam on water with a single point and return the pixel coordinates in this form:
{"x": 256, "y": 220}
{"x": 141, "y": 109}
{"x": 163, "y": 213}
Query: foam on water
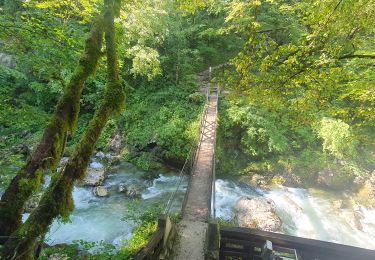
{"x": 227, "y": 193}
{"x": 302, "y": 213}
{"x": 164, "y": 184}
{"x": 100, "y": 219}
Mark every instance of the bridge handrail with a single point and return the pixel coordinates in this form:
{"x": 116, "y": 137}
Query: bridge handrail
{"x": 197, "y": 147}
{"x": 192, "y": 156}
{"x": 213, "y": 188}
{"x": 150, "y": 249}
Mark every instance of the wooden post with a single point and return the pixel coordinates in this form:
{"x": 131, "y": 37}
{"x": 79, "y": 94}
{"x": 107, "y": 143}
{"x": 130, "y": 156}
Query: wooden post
{"x": 212, "y": 241}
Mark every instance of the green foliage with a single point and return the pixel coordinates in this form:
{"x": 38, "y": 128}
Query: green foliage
{"x": 300, "y": 85}
{"x": 140, "y": 238}
{"x": 247, "y": 145}
{"x": 21, "y": 123}
{"x": 70, "y": 251}
{"x": 337, "y": 138}
{"x": 163, "y": 117}
{"x": 108, "y": 132}
{"x": 263, "y": 132}
{"x": 147, "y": 223}
{"x": 79, "y": 250}
{"x": 226, "y": 223}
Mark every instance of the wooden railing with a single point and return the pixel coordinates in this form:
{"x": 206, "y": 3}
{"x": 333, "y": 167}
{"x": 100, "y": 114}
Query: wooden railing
{"x": 161, "y": 243}
{"x": 213, "y": 190}
{"x": 245, "y": 243}
{"x": 195, "y": 149}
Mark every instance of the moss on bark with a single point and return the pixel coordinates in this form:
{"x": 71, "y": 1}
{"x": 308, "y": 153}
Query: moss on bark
{"x": 50, "y": 149}
{"x": 57, "y": 201}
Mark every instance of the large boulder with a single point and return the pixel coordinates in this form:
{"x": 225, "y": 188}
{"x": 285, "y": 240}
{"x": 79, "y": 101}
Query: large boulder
{"x": 371, "y": 184}
{"x": 94, "y": 177}
{"x": 259, "y": 213}
{"x": 255, "y": 180}
{"x": 366, "y": 194}
{"x": 333, "y": 178}
{"x": 100, "y": 191}
{"x": 353, "y": 218}
{"x": 338, "y": 204}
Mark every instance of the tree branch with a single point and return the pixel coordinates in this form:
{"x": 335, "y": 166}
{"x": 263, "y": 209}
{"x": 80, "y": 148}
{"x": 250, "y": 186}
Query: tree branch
{"x": 358, "y": 56}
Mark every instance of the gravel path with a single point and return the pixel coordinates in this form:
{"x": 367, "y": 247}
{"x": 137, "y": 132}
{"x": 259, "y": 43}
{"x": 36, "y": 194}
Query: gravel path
{"x": 190, "y": 240}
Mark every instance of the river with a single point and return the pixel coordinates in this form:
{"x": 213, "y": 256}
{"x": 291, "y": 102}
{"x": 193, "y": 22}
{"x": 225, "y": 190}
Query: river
{"x": 305, "y": 213}
{"x": 101, "y": 218}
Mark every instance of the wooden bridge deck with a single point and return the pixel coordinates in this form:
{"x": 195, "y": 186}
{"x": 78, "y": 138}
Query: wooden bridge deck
{"x": 198, "y": 202}
{"x": 196, "y": 212}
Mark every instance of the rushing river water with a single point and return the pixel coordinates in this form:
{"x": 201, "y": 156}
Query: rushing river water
{"x": 101, "y": 218}
{"x": 305, "y": 213}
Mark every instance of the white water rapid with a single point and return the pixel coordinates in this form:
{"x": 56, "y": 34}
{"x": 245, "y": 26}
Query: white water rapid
{"x": 100, "y": 218}
{"x": 304, "y": 213}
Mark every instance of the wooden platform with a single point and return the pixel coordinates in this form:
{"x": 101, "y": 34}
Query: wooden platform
{"x": 243, "y": 244}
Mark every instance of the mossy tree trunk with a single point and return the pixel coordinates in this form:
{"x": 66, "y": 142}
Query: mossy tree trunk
{"x": 50, "y": 149}
{"x": 57, "y": 201}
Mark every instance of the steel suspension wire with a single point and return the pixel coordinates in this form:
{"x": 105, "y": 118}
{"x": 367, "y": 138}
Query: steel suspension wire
{"x": 191, "y": 156}
{"x": 178, "y": 182}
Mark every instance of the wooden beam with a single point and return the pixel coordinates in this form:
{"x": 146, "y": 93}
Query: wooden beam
{"x": 308, "y": 248}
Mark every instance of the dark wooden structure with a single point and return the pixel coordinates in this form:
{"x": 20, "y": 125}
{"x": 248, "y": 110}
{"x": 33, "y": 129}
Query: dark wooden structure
{"x": 160, "y": 245}
{"x": 245, "y": 244}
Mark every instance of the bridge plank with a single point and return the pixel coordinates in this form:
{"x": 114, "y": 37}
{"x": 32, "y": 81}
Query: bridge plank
{"x": 197, "y": 207}
{"x": 198, "y": 202}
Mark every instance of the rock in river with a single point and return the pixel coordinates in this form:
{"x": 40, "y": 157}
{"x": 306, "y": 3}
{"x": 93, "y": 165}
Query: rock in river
{"x": 100, "y": 191}
{"x": 100, "y": 155}
{"x": 259, "y": 213}
{"x": 131, "y": 191}
{"x": 94, "y": 177}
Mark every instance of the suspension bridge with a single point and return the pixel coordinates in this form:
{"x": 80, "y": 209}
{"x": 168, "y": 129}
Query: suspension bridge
{"x": 197, "y": 235}
{"x": 198, "y": 206}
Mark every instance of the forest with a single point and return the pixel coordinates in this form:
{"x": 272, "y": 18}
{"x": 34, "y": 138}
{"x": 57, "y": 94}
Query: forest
{"x": 118, "y": 84}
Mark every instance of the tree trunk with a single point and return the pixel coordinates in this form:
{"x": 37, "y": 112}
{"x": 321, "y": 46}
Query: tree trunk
{"x": 57, "y": 201}
{"x": 50, "y": 149}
